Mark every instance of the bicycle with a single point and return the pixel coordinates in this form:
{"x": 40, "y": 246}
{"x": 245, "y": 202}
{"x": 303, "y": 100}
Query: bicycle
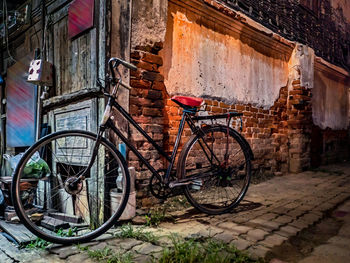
{"x": 81, "y": 169}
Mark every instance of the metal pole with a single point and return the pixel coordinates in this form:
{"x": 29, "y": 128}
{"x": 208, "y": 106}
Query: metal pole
{"x": 39, "y": 106}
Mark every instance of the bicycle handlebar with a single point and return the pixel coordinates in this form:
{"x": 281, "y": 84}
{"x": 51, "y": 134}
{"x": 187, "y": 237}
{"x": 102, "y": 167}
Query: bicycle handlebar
{"x": 114, "y": 63}
{"x": 119, "y": 61}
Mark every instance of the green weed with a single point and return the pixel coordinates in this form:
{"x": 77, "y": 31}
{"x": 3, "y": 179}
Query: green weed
{"x": 128, "y": 231}
{"x": 100, "y": 254}
{"x": 121, "y": 258}
{"x": 38, "y": 243}
{"x": 155, "y": 217}
{"x": 82, "y": 248}
{"x": 201, "y": 251}
{"x": 42, "y": 244}
{"x": 107, "y": 255}
{"x": 66, "y": 233}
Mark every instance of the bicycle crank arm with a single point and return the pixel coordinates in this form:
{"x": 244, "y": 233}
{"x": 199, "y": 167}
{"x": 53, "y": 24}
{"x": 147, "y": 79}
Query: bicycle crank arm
{"x": 176, "y": 184}
{"x": 193, "y": 180}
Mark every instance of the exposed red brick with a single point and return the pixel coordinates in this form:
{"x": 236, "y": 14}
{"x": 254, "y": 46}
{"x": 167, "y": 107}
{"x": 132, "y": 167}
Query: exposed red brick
{"x": 141, "y": 84}
{"x": 152, "y": 76}
{"x": 223, "y": 105}
{"x": 140, "y": 101}
{"x": 152, "y": 58}
{"x": 240, "y": 107}
{"x": 135, "y": 74}
{"x": 158, "y": 85}
{"x": 216, "y": 110}
{"x": 154, "y": 94}
{"x": 134, "y": 110}
{"x": 146, "y": 66}
{"x": 135, "y": 55}
{"x": 208, "y": 102}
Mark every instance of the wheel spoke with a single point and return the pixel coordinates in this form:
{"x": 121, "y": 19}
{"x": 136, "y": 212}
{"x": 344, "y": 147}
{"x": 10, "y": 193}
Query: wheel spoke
{"x": 223, "y": 181}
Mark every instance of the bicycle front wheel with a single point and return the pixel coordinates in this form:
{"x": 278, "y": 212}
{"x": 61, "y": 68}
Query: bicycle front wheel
{"x": 216, "y": 165}
{"x": 56, "y": 207}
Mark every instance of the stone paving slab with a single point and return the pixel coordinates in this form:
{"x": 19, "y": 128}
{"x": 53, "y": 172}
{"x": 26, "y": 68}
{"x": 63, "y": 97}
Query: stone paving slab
{"x": 271, "y": 213}
{"x": 241, "y": 243}
{"x": 273, "y": 240}
{"x": 125, "y": 244}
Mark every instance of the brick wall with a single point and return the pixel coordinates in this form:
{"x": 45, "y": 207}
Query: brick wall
{"x": 264, "y": 129}
{"x": 147, "y": 108}
{"x": 299, "y": 111}
{"x": 280, "y": 136}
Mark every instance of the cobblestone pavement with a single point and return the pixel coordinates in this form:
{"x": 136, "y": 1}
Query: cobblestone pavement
{"x": 337, "y": 248}
{"x": 271, "y": 213}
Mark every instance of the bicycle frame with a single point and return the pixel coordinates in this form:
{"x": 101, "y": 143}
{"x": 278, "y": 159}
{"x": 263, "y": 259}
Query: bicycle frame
{"x": 187, "y": 117}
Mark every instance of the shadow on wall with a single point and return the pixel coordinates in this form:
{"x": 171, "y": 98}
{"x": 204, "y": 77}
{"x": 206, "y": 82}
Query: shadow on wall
{"x": 329, "y": 139}
{"x": 328, "y": 146}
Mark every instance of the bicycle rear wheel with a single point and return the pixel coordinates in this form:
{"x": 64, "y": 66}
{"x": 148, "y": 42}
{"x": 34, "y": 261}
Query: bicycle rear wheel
{"x": 216, "y": 163}
{"x": 51, "y": 206}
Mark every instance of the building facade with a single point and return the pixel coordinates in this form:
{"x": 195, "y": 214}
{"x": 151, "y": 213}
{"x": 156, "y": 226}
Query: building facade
{"x": 283, "y": 64}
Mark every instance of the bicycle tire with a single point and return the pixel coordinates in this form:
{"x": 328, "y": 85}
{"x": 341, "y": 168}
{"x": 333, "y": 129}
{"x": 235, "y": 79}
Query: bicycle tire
{"x": 209, "y": 177}
{"x": 89, "y": 203}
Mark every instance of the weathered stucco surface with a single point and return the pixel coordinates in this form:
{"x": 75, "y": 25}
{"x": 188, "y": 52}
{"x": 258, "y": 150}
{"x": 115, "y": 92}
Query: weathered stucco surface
{"x": 330, "y": 101}
{"x": 148, "y": 22}
{"x": 301, "y": 66}
{"x": 205, "y": 59}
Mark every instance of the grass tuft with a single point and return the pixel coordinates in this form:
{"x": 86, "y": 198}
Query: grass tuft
{"x": 155, "y": 217}
{"x": 38, "y": 243}
{"x": 205, "y": 251}
{"x": 128, "y": 231}
{"x": 107, "y": 255}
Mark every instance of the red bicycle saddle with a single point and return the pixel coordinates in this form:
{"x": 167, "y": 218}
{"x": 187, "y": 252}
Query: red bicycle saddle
{"x": 187, "y": 101}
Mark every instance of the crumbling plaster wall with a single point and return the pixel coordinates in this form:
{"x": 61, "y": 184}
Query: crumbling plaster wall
{"x": 301, "y": 66}
{"x": 205, "y": 59}
{"x": 330, "y": 100}
{"x": 148, "y": 22}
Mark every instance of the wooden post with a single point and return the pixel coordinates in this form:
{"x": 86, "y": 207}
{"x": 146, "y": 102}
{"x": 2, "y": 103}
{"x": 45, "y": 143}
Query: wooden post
{"x": 120, "y": 47}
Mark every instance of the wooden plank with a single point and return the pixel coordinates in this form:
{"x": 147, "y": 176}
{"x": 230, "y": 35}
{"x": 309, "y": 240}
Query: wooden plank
{"x": 57, "y": 5}
{"x": 92, "y": 59}
{"x": 71, "y": 97}
{"x": 120, "y": 47}
{"x": 18, "y": 231}
{"x": 53, "y": 224}
{"x": 99, "y": 50}
{"x": 67, "y": 217}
